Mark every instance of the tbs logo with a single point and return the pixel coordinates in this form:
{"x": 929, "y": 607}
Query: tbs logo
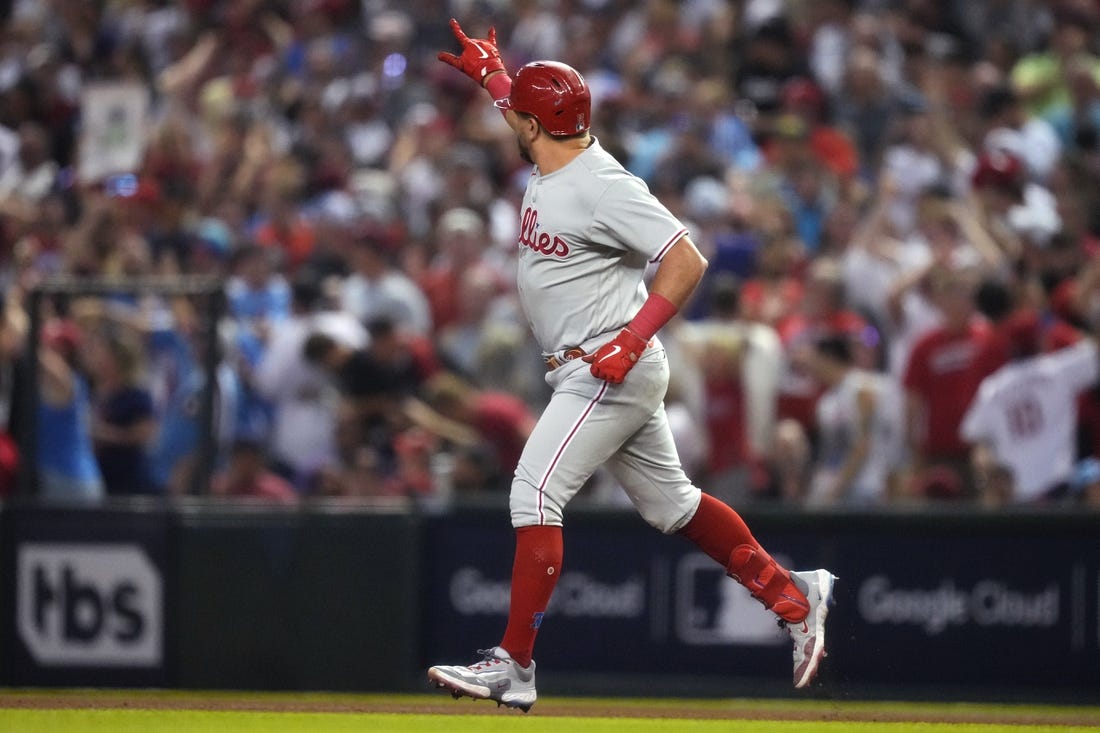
{"x": 89, "y": 605}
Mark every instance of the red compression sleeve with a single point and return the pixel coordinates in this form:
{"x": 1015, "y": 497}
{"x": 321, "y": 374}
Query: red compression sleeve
{"x": 499, "y": 86}
{"x": 655, "y": 313}
{"x": 535, "y": 571}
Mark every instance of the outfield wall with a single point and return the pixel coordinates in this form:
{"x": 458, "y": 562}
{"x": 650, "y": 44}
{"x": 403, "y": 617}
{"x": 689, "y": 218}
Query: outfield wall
{"x": 961, "y": 605}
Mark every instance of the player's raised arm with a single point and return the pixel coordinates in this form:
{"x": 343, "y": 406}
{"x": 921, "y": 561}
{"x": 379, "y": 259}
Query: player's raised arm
{"x": 480, "y": 60}
{"x": 679, "y": 273}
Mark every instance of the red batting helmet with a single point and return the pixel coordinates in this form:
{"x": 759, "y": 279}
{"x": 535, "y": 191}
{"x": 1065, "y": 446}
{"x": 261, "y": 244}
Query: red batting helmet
{"x": 554, "y": 94}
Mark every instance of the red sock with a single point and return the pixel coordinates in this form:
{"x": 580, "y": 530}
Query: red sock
{"x": 720, "y": 532}
{"x": 717, "y": 529}
{"x": 535, "y": 572}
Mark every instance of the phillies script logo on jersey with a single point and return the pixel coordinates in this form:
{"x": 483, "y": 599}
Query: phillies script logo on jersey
{"x": 541, "y": 242}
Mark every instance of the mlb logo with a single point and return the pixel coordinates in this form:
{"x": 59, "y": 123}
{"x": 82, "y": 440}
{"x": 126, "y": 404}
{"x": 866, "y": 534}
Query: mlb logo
{"x": 713, "y": 608}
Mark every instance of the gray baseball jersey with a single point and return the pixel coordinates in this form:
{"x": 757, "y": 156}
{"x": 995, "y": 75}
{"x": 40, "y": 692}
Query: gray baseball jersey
{"x": 587, "y": 234}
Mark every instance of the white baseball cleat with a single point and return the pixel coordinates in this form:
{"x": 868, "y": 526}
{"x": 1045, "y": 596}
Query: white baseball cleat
{"x": 809, "y": 635}
{"x": 495, "y": 677}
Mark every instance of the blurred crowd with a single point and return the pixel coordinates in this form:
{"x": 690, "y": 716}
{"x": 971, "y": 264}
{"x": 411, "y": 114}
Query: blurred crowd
{"x": 899, "y": 200}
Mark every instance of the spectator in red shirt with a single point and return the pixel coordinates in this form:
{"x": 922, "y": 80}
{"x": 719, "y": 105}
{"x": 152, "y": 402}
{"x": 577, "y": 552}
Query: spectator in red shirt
{"x": 460, "y": 240}
{"x": 247, "y": 476}
{"x": 502, "y": 421}
{"x": 729, "y": 460}
{"x": 830, "y": 146}
{"x": 1072, "y": 304}
{"x": 943, "y": 373}
{"x": 1001, "y": 308}
{"x": 774, "y": 293}
{"x": 282, "y": 227}
{"x": 822, "y": 314}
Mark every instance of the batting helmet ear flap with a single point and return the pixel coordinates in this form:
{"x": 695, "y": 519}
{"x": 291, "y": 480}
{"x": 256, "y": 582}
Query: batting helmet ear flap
{"x": 553, "y": 93}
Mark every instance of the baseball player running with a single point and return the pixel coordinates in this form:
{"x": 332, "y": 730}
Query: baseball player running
{"x": 589, "y": 228}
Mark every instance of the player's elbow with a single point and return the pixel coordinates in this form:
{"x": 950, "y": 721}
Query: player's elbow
{"x": 700, "y": 267}
{"x": 701, "y": 262}
{"x": 695, "y": 258}
{"x": 686, "y": 261}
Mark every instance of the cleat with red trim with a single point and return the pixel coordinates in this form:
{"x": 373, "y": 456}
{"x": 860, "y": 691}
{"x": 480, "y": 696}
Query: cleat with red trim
{"x": 808, "y": 635}
{"x": 496, "y": 677}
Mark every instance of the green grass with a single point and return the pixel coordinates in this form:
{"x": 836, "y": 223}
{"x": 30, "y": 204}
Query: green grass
{"x": 157, "y": 711}
{"x": 187, "y": 721}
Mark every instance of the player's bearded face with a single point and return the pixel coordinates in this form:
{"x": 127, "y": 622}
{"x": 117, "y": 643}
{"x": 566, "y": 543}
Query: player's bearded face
{"x": 525, "y": 136}
{"x": 524, "y": 149}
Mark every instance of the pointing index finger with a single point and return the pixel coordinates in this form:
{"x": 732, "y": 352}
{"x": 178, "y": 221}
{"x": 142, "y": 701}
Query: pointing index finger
{"x": 457, "y": 30}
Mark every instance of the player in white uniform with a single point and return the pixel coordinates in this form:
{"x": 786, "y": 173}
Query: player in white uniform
{"x": 588, "y": 231}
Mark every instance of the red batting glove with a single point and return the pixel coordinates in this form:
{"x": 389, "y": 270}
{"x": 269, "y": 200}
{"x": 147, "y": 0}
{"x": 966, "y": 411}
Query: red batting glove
{"x": 479, "y": 56}
{"x": 618, "y": 356}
